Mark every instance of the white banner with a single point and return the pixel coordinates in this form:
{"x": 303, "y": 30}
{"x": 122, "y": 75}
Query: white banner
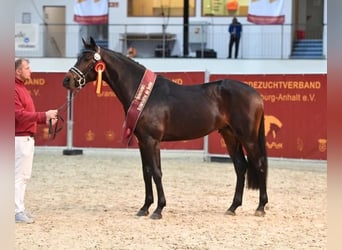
{"x": 26, "y": 36}
{"x": 91, "y": 11}
{"x": 266, "y": 12}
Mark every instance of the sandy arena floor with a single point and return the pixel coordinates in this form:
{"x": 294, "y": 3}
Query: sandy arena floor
{"x": 90, "y": 201}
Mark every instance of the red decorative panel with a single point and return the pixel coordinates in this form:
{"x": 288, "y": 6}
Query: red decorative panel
{"x": 295, "y": 114}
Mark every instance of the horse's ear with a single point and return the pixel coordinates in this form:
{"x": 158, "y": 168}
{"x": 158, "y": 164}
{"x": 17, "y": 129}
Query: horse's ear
{"x": 84, "y": 42}
{"x": 92, "y": 42}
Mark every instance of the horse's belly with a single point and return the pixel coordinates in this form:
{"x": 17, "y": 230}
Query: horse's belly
{"x": 187, "y": 131}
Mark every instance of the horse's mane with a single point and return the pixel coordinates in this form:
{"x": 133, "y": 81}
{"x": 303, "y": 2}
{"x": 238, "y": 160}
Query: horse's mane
{"x": 116, "y": 55}
{"x": 122, "y": 57}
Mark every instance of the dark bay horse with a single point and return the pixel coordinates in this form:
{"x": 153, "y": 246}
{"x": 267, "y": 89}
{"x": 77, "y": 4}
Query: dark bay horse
{"x": 174, "y": 112}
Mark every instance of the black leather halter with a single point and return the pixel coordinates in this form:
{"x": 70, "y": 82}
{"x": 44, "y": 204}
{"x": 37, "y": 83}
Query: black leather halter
{"x": 81, "y": 76}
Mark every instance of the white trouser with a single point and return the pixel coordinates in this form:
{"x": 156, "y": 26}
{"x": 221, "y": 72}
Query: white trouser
{"x": 24, "y": 150}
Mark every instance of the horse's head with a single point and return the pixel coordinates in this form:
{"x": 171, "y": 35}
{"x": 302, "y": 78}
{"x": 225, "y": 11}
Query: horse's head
{"x": 84, "y": 69}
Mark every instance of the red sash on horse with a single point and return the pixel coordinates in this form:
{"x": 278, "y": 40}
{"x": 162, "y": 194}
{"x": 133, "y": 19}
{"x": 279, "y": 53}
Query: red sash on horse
{"x": 138, "y": 104}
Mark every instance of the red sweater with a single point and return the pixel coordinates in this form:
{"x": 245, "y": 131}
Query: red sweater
{"x": 26, "y": 117}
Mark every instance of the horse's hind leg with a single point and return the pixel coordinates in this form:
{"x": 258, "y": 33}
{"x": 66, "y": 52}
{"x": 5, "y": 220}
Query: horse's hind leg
{"x": 240, "y": 165}
{"x": 257, "y": 174}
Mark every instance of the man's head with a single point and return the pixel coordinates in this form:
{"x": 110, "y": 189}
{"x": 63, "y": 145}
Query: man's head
{"x": 22, "y": 69}
{"x": 131, "y": 52}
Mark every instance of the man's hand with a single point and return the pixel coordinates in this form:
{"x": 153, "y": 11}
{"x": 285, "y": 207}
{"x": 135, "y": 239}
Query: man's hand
{"x": 51, "y": 114}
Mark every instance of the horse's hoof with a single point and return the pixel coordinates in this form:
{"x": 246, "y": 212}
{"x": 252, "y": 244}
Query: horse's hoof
{"x": 259, "y": 213}
{"x": 228, "y": 212}
{"x": 156, "y": 216}
{"x": 142, "y": 213}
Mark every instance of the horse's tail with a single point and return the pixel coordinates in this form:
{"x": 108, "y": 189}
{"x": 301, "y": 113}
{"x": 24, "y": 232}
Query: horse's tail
{"x": 259, "y": 166}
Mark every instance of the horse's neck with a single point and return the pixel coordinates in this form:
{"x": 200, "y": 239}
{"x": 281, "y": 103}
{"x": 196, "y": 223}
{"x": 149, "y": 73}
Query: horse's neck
{"x": 126, "y": 83}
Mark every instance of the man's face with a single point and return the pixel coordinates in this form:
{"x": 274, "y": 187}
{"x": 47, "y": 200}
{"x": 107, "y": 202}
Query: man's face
{"x": 24, "y": 72}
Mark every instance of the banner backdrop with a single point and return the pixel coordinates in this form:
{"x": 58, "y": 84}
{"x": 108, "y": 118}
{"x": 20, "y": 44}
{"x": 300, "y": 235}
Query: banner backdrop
{"x": 91, "y": 11}
{"x": 266, "y": 12}
{"x": 295, "y": 115}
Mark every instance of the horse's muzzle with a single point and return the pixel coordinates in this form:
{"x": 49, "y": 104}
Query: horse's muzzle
{"x": 69, "y": 81}
{"x": 66, "y": 82}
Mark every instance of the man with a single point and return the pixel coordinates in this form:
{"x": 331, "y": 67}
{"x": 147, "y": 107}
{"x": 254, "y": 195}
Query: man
{"x": 235, "y": 29}
{"x": 26, "y": 120}
{"x": 131, "y": 52}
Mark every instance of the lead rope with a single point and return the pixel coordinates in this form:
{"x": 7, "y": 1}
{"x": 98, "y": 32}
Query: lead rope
{"x": 53, "y": 131}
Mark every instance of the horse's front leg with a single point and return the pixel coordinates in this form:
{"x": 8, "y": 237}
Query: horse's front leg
{"x": 157, "y": 178}
{"x": 150, "y": 155}
{"x": 147, "y": 174}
